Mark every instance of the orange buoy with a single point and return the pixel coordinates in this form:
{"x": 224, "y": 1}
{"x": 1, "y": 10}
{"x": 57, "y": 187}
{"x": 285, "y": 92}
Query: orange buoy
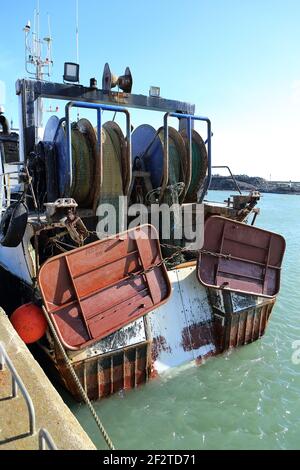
{"x": 29, "y": 322}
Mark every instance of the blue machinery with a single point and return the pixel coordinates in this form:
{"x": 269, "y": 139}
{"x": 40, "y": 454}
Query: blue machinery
{"x": 117, "y": 109}
{"x": 31, "y": 90}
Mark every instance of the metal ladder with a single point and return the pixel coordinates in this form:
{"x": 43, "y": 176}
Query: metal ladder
{"x": 44, "y": 438}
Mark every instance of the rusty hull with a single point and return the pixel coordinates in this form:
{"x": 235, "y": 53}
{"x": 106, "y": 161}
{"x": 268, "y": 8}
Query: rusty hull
{"x": 107, "y": 374}
{"x": 239, "y": 323}
{"x": 211, "y": 323}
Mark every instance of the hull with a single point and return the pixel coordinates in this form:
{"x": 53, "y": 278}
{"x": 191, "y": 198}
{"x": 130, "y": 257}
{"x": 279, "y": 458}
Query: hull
{"x": 197, "y": 323}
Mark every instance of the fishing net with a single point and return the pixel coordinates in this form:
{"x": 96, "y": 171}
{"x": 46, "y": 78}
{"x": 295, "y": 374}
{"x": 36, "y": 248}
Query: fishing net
{"x": 177, "y": 156}
{"x": 112, "y": 186}
{"x": 82, "y": 167}
{"x": 199, "y": 165}
{"x": 173, "y": 193}
{"x": 85, "y": 164}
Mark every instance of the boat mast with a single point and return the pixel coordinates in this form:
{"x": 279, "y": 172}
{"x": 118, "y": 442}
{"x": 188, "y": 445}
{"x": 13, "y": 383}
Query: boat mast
{"x": 36, "y": 66}
{"x": 77, "y": 32}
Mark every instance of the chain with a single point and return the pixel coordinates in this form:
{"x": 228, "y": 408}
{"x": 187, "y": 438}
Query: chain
{"x": 179, "y": 250}
{"x": 202, "y": 251}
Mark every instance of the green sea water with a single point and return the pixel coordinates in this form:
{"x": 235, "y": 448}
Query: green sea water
{"x": 246, "y": 399}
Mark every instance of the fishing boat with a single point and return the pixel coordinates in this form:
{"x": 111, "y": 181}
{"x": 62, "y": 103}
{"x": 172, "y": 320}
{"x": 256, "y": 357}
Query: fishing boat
{"x": 126, "y": 303}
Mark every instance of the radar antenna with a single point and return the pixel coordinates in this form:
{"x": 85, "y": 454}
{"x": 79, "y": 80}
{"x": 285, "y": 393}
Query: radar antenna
{"x": 35, "y": 48}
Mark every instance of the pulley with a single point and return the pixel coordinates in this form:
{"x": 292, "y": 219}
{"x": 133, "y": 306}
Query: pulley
{"x": 109, "y": 80}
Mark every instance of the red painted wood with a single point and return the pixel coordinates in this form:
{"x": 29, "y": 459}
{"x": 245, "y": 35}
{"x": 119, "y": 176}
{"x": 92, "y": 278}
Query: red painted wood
{"x": 90, "y": 293}
{"x": 255, "y": 263}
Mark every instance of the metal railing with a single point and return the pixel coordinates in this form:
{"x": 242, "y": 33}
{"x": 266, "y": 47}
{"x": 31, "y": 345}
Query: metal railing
{"x": 8, "y": 182}
{"x": 189, "y": 118}
{"x": 99, "y": 108}
{"x": 17, "y": 384}
{"x": 46, "y": 439}
{"x": 231, "y": 174}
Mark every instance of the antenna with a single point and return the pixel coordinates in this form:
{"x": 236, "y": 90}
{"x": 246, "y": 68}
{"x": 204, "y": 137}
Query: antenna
{"x": 38, "y": 27}
{"x": 49, "y": 26}
{"x": 77, "y": 43}
{"x": 77, "y": 31}
{"x": 35, "y": 65}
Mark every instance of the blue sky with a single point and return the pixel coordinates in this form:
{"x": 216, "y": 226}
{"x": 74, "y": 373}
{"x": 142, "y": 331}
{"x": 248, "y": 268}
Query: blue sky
{"x": 237, "y": 60}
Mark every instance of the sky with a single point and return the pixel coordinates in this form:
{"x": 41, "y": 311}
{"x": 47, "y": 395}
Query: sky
{"x": 238, "y": 61}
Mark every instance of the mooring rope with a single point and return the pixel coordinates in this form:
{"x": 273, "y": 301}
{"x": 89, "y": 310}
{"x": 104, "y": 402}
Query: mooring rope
{"x": 78, "y": 383}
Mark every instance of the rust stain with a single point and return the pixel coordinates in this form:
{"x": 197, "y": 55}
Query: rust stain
{"x": 159, "y": 344}
{"x": 243, "y": 327}
{"x": 153, "y": 373}
{"x": 104, "y": 376}
{"x": 202, "y": 359}
{"x": 195, "y": 336}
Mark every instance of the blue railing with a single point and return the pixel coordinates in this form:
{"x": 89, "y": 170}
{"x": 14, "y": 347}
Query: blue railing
{"x": 189, "y": 118}
{"x": 99, "y": 108}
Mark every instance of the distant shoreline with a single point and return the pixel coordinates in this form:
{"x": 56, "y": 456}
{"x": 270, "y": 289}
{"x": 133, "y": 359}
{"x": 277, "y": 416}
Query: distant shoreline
{"x": 289, "y": 193}
{"x": 253, "y": 183}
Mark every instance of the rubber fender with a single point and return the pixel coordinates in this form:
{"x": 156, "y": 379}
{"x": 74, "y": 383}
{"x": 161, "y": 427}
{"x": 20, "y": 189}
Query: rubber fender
{"x": 5, "y": 125}
{"x": 13, "y": 224}
{"x": 48, "y": 153}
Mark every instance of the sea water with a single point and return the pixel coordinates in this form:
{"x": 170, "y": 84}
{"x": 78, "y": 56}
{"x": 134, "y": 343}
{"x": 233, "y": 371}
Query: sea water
{"x": 248, "y": 398}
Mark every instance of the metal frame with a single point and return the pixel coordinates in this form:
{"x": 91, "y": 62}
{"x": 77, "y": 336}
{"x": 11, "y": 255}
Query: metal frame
{"x": 31, "y": 90}
{"x": 17, "y": 383}
{"x": 99, "y": 108}
{"x": 189, "y": 119}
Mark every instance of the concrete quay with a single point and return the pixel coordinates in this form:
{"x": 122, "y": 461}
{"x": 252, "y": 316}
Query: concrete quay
{"x": 51, "y": 412}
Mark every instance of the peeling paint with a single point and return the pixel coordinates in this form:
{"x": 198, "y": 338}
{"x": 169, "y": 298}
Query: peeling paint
{"x": 159, "y": 344}
{"x": 197, "y": 335}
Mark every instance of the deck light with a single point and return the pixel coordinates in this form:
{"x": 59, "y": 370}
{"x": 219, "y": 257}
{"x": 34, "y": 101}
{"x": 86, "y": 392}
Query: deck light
{"x": 71, "y": 73}
{"x": 154, "y": 91}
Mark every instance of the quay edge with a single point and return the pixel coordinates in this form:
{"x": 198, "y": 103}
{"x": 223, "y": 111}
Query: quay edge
{"x": 51, "y": 412}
